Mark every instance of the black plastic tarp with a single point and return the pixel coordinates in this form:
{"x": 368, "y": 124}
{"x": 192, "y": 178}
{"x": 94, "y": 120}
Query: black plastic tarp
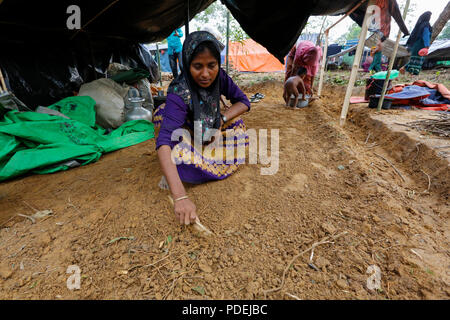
{"x": 45, "y": 61}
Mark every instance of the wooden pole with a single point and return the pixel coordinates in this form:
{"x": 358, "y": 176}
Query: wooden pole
{"x": 324, "y": 58}
{"x": 391, "y": 62}
{"x": 324, "y": 63}
{"x": 346, "y": 15}
{"x": 186, "y": 26}
{"x": 228, "y": 38}
{"x": 159, "y": 64}
{"x": 2, "y": 80}
{"x": 356, "y": 61}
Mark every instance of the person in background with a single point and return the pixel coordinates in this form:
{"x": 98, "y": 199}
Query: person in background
{"x": 375, "y": 66}
{"x": 302, "y": 65}
{"x": 368, "y": 60}
{"x": 193, "y": 103}
{"x": 419, "y": 39}
{"x": 174, "y": 50}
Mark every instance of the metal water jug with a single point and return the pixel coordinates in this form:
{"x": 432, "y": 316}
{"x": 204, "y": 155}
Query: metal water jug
{"x": 137, "y": 112}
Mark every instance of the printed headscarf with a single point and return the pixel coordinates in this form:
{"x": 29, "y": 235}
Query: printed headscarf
{"x": 203, "y": 103}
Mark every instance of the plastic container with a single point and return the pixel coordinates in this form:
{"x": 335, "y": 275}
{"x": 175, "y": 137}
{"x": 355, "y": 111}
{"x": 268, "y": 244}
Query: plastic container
{"x": 301, "y": 103}
{"x": 374, "y": 87}
{"x": 373, "y": 102}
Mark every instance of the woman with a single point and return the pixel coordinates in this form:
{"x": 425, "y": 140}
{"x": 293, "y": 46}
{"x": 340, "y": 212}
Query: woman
{"x": 419, "y": 39}
{"x": 369, "y": 60}
{"x": 193, "y": 104}
{"x": 301, "y": 66}
{"x": 375, "y": 66}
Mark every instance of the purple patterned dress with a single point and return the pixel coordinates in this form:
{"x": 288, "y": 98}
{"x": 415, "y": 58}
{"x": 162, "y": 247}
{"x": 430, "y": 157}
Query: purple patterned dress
{"x": 194, "y": 165}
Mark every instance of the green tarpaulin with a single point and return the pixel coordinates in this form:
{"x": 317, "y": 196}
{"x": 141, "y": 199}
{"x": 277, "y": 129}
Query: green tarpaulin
{"x": 43, "y": 143}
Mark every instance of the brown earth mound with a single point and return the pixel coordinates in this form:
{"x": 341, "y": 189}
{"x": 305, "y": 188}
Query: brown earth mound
{"x": 111, "y": 219}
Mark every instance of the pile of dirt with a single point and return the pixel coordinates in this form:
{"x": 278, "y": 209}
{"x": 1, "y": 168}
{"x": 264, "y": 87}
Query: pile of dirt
{"x": 111, "y": 219}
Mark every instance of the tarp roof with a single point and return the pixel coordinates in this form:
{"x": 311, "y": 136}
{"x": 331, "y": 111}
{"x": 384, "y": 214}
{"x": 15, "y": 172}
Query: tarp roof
{"x": 275, "y": 25}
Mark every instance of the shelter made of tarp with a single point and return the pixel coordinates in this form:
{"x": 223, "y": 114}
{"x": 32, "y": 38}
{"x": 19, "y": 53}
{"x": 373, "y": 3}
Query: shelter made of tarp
{"x": 439, "y": 50}
{"x": 251, "y": 56}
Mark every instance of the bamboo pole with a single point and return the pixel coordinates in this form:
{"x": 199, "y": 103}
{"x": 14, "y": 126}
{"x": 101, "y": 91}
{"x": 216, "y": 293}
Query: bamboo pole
{"x": 228, "y": 39}
{"x": 346, "y": 15}
{"x": 159, "y": 64}
{"x": 391, "y": 62}
{"x": 326, "y": 32}
{"x": 2, "y": 80}
{"x": 324, "y": 63}
{"x": 356, "y": 61}
{"x": 186, "y": 27}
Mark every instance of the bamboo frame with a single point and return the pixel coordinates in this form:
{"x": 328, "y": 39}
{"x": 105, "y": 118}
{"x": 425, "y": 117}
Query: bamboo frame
{"x": 323, "y": 64}
{"x": 391, "y": 62}
{"x": 3, "y": 84}
{"x": 325, "y": 49}
{"x": 356, "y": 62}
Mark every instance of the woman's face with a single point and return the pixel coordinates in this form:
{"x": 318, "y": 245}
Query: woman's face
{"x": 204, "y": 68}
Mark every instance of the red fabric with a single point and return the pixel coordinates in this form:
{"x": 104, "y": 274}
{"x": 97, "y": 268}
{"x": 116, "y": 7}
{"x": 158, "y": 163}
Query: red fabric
{"x": 442, "y": 89}
{"x": 438, "y": 86}
{"x": 385, "y": 17}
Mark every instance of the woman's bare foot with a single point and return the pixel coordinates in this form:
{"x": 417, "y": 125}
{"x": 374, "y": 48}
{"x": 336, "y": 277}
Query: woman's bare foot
{"x": 402, "y": 70}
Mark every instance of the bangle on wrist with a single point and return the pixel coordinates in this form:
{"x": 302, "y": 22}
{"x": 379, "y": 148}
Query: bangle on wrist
{"x": 224, "y": 118}
{"x": 181, "y": 198}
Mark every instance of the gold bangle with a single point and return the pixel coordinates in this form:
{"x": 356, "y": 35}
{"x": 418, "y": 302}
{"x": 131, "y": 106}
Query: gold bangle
{"x": 180, "y": 198}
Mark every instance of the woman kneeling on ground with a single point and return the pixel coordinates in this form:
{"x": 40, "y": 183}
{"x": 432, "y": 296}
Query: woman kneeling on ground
{"x": 301, "y": 66}
{"x": 193, "y": 98}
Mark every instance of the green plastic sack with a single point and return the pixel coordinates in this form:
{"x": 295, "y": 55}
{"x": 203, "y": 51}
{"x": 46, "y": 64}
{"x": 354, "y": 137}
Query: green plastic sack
{"x": 382, "y": 75}
{"x": 43, "y": 143}
{"x": 81, "y": 108}
{"x": 130, "y": 76}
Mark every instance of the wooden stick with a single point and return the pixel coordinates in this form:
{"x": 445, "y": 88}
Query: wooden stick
{"x": 197, "y": 225}
{"x": 356, "y": 61}
{"x": 2, "y": 80}
{"x": 346, "y": 15}
{"x": 391, "y": 62}
{"x": 396, "y": 170}
{"x": 324, "y": 62}
{"x": 323, "y": 241}
{"x": 429, "y": 181}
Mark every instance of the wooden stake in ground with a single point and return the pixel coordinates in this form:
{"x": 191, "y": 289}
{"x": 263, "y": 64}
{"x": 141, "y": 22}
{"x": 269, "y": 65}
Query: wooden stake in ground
{"x": 356, "y": 61}
{"x": 324, "y": 63}
{"x": 326, "y": 32}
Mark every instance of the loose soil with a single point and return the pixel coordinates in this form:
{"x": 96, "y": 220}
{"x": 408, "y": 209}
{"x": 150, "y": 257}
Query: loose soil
{"x": 330, "y": 180}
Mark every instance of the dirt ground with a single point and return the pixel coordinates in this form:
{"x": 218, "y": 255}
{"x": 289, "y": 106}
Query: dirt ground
{"x": 335, "y": 185}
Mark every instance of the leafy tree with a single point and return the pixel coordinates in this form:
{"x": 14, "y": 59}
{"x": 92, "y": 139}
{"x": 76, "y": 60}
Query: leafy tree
{"x": 445, "y": 34}
{"x": 216, "y": 14}
{"x": 352, "y": 33}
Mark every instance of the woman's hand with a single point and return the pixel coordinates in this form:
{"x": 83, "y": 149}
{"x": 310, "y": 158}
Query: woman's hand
{"x": 185, "y": 211}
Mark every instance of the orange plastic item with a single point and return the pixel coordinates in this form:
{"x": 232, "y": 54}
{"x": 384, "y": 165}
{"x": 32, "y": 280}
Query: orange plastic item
{"x": 251, "y": 56}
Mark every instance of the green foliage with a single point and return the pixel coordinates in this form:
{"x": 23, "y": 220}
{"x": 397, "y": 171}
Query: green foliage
{"x": 216, "y": 15}
{"x": 445, "y": 33}
{"x": 352, "y": 33}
